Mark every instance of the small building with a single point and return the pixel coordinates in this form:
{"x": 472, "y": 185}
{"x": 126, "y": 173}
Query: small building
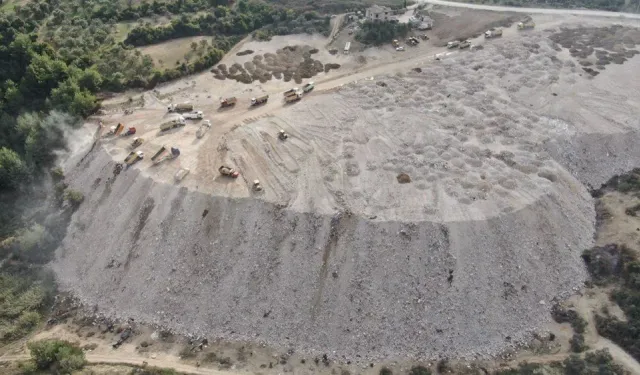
{"x": 379, "y": 13}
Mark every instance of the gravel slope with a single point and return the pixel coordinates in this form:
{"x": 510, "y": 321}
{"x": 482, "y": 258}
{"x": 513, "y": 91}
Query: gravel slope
{"x": 320, "y": 283}
{"x": 336, "y": 257}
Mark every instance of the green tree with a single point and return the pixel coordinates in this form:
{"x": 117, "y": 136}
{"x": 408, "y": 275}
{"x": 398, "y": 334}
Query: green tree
{"x": 90, "y": 80}
{"x": 56, "y": 356}
{"x": 13, "y": 170}
{"x": 43, "y": 75}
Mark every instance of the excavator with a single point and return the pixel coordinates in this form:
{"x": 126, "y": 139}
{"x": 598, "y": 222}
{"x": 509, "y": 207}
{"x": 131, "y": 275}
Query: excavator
{"x": 228, "y": 171}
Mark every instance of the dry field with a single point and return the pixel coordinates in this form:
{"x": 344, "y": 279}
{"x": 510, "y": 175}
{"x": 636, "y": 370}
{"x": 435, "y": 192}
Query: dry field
{"x": 167, "y": 54}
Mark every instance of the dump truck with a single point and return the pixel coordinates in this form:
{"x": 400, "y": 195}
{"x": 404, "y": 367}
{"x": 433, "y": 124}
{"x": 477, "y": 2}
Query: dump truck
{"x": 526, "y": 25}
{"x": 175, "y": 123}
{"x": 115, "y": 130}
{"x": 183, "y": 107}
{"x": 137, "y": 141}
{"x": 228, "y": 102}
{"x": 164, "y": 154}
{"x": 465, "y": 44}
{"x": 308, "y": 87}
{"x": 453, "y": 44}
{"x": 130, "y": 131}
{"x": 204, "y": 127}
{"x": 181, "y": 174}
{"x": 134, "y": 157}
{"x": 293, "y": 98}
{"x": 195, "y": 115}
{"x": 228, "y": 171}
{"x": 291, "y": 92}
{"x": 493, "y": 33}
{"x": 261, "y": 100}
{"x": 257, "y": 186}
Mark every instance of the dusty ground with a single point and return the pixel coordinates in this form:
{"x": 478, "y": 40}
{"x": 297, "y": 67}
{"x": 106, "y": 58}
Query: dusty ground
{"x": 335, "y": 256}
{"x": 168, "y": 53}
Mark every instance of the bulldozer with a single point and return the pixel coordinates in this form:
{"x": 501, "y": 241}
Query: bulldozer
{"x": 228, "y": 171}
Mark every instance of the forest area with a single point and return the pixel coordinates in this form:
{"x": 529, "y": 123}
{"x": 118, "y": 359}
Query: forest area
{"x": 57, "y": 59}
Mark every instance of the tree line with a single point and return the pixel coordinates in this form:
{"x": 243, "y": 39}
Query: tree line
{"x": 377, "y": 33}
{"x": 247, "y": 17}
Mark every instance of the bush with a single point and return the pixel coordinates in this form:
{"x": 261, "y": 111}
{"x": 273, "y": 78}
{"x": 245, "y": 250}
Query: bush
{"x": 56, "y": 356}
{"x": 153, "y": 371}
{"x": 562, "y": 315}
{"x": 577, "y": 343}
{"x": 419, "y": 370}
{"x": 74, "y": 197}
{"x": 605, "y": 263}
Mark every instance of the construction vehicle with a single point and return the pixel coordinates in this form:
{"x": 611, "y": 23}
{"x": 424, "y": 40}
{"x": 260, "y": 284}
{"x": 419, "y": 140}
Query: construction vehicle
{"x": 181, "y": 174}
{"x": 493, "y": 33}
{"x": 261, "y": 100}
{"x": 256, "y": 185}
{"x": 282, "y": 135}
{"x": 293, "y": 98}
{"x": 395, "y": 43}
{"x": 291, "y": 92}
{"x": 308, "y": 87}
{"x": 204, "y": 127}
{"x": 228, "y": 171}
{"x": 228, "y": 102}
{"x": 134, "y": 157}
{"x": 137, "y": 141}
{"x": 453, "y": 44}
{"x": 195, "y": 115}
{"x": 424, "y": 37}
{"x": 400, "y": 49}
{"x": 464, "y": 44}
{"x": 115, "y": 130}
{"x": 347, "y": 47}
{"x": 175, "y": 123}
{"x": 526, "y": 25}
{"x": 130, "y": 131}
{"x": 413, "y": 41}
{"x": 180, "y": 108}
{"x": 164, "y": 154}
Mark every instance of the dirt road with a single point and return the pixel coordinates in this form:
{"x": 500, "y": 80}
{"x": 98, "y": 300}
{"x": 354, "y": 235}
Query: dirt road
{"x": 136, "y": 361}
{"x": 495, "y": 8}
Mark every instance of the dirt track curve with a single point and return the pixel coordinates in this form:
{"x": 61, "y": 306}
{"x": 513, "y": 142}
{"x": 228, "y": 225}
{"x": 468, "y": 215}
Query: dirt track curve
{"x": 495, "y": 8}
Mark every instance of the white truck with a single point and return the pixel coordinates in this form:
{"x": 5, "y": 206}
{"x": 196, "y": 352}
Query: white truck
{"x": 175, "y": 123}
{"x": 183, "y": 107}
{"x": 493, "y": 33}
{"x": 195, "y": 115}
{"x": 347, "y": 47}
